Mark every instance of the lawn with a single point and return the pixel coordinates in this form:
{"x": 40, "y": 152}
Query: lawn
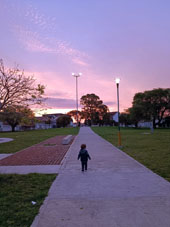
{"x": 28, "y": 138}
{"x": 152, "y": 150}
{"x": 16, "y": 196}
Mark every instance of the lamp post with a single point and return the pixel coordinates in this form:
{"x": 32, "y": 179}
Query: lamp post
{"x": 117, "y": 80}
{"x": 76, "y": 76}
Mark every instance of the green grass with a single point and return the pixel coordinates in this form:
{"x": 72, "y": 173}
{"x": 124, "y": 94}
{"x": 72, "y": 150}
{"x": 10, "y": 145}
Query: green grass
{"x": 28, "y": 138}
{"x": 16, "y": 194}
{"x": 152, "y": 150}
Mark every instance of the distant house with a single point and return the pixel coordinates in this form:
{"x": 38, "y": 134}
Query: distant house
{"x": 42, "y": 123}
{"x": 114, "y": 116}
{"x": 52, "y": 118}
{"x": 4, "y": 127}
{"x": 149, "y": 124}
{"x": 145, "y": 124}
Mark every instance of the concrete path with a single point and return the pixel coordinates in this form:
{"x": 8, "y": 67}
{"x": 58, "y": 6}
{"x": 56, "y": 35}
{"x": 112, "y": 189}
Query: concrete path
{"x": 116, "y": 191}
{"x": 46, "y": 169}
{"x": 5, "y": 140}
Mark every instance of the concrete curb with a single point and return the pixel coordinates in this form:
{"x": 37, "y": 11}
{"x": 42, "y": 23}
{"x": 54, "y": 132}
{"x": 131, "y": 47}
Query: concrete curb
{"x": 5, "y": 140}
{"x": 44, "y": 169}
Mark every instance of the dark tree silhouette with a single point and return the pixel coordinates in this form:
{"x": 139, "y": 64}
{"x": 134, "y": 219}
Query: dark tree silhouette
{"x": 93, "y": 108}
{"x": 18, "y": 89}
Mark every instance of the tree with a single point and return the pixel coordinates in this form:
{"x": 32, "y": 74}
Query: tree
{"x": 73, "y": 113}
{"x": 102, "y": 110}
{"x": 93, "y": 108}
{"x": 18, "y": 89}
{"x": 28, "y": 117}
{"x": 136, "y": 115}
{"x": 151, "y": 105}
{"x": 102, "y": 115}
{"x": 166, "y": 122}
{"x": 15, "y": 115}
{"x": 125, "y": 118}
{"x": 63, "y": 121}
{"x": 106, "y": 120}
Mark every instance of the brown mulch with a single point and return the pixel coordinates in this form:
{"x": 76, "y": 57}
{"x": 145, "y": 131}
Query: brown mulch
{"x": 48, "y": 152}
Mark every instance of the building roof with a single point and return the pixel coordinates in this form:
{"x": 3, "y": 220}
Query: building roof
{"x": 113, "y": 113}
{"x": 52, "y": 115}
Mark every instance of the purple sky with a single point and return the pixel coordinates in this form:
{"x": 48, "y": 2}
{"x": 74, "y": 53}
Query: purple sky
{"x": 103, "y": 39}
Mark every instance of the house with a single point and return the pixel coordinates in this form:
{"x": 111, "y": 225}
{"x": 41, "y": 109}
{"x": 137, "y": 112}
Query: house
{"x": 4, "y": 127}
{"x": 52, "y": 118}
{"x": 42, "y": 123}
{"x": 145, "y": 124}
{"x": 114, "y": 116}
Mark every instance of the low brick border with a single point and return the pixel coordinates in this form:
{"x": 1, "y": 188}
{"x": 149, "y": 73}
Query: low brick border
{"x": 48, "y": 152}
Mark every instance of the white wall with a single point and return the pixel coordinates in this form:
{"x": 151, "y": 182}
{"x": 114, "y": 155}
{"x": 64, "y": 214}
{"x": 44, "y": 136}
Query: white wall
{"x": 7, "y": 128}
{"x": 42, "y": 126}
{"x": 147, "y": 124}
{"x": 115, "y": 117}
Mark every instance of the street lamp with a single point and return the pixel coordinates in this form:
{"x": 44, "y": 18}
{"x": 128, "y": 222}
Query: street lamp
{"x": 117, "y": 80}
{"x": 76, "y": 76}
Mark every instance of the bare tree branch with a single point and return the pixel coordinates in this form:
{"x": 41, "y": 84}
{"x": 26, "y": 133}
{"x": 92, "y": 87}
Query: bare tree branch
{"x": 18, "y": 89}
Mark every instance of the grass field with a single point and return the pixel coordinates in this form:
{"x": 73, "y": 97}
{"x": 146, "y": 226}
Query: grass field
{"x": 16, "y": 195}
{"x": 28, "y": 138}
{"x": 152, "y": 150}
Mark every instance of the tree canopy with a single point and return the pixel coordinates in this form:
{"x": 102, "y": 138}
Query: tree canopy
{"x": 151, "y": 105}
{"x": 93, "y": 108}
{"x": 73, "y": 113}
{"x": 15, "y": 115}
{"x": 18, "y": 89}
{"x": 125, "y": 118}
{"x": 63, "y": 121}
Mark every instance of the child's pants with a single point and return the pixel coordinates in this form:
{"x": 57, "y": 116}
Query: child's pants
{"x": 84, "y": 165}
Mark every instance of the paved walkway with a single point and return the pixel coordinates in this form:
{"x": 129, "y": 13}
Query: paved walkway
{"x": 45, "y": 157}
{"x": 5, "y": 140}
{"x": 116, "y": 191}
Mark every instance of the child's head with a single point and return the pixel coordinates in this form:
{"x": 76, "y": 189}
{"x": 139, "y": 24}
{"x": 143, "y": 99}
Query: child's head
{"x": 83, "y": 146}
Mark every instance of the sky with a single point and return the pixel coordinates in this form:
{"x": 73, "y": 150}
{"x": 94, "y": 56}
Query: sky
{"x": 102, "y": 39}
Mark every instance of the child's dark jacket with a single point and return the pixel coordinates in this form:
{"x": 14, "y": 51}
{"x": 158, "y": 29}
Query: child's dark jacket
{"x": 83, "y": 155}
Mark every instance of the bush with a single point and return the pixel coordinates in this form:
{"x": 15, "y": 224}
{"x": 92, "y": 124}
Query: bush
{"x": 63, "y": 121}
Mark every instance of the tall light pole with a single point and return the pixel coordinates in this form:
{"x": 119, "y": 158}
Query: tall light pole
{"x": 117, "y": 80}
{"x": 76, "y": 76}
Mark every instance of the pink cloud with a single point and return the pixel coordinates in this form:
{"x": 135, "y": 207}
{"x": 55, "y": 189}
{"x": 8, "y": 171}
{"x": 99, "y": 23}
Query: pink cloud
{"x": 33, "y": 42}
{"x": 28, "y": 18}
{"x": 80, "y": 62}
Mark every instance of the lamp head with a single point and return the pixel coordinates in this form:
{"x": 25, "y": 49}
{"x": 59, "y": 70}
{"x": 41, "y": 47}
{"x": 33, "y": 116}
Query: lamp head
{"x": 117, "y": 80}
{"x": 76, "y": 75}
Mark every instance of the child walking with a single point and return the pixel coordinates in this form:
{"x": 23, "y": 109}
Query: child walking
{"x": 83, "y": 156}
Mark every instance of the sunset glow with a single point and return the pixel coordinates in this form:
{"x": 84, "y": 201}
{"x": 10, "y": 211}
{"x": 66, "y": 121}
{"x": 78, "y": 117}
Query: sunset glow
{"x": 101, "y": 39}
